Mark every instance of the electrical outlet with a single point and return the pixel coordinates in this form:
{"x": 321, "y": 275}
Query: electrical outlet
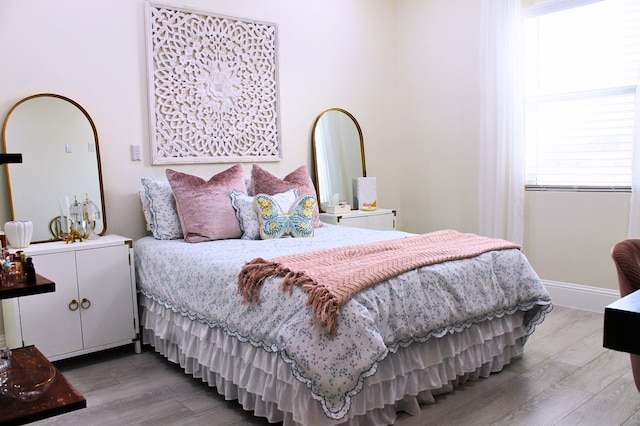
{"x": 136, "y": 152}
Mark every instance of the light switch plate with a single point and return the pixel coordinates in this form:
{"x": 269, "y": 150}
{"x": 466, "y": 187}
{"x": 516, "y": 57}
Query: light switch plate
{"x": 136, "y": 152}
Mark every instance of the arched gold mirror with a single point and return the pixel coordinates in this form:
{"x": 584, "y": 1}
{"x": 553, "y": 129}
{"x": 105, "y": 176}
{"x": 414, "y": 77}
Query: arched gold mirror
{"x": 338, "y": 149}
{"x": 60, "y": 161}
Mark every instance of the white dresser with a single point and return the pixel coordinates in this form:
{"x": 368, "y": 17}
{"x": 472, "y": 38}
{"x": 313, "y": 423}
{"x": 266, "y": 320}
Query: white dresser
{"x": 381, "y": 219}
{"x": 94, "y": 306}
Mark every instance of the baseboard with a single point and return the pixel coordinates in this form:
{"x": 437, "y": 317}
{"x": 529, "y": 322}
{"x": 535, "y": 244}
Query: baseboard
{"x": 579, "y": 296}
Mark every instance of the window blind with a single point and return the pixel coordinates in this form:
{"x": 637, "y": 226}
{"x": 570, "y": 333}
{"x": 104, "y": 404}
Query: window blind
{"x": 581, "y": 73}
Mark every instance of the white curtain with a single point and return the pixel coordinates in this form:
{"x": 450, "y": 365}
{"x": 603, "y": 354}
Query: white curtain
{"x": 634, "y": 215}
{"x": 501, "y": 179}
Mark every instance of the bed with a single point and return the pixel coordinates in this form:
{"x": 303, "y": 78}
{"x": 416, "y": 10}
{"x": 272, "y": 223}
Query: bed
{"x": 398, "y": 343}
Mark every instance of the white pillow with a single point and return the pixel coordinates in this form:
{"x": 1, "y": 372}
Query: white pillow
{"x": 246, "y": 213}
{"x": 145, "y": 209}
{"x": 163, "y": 215}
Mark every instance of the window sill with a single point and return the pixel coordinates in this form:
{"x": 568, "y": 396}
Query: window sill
{"x": 577, "y": 188}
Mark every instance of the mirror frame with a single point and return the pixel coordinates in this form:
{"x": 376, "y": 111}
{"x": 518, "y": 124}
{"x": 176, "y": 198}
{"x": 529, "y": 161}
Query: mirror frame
{"x": 314, "y": 148}
{"x": 97, "y": 151}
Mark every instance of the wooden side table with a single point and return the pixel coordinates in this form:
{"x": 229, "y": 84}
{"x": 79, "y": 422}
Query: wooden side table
{"x": 621, "y": 324}
{"x": 61, "y": 397}
{"x": 21, "y": 288}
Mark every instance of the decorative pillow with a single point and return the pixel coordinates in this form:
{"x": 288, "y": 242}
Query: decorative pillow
{"x": 246, "y": 213}
{"x": 263, "y": 182}
{"x": 145, "y": 210}
{"x": 163, "y": 220}
{"x": 275, "y": 223}
{"x": 204, "y": 207}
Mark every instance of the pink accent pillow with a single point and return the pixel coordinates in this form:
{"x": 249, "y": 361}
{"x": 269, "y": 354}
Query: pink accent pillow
{"x": 204, "y": 207}
{"x": 263, "y": 182}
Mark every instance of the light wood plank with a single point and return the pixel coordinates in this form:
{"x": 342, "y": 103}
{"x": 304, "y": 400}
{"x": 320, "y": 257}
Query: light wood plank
{"x": 546, "y": 408}
{"x": 601, "y": 372}
{"x": 613, "y": 405}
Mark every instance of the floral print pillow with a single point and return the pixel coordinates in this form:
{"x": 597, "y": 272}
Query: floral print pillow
{"x": 163, "y": 219}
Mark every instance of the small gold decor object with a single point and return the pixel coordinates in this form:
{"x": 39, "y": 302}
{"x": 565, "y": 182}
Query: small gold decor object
{"x": 73, "y": 236}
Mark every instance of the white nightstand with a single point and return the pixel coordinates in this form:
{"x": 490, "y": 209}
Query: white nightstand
{"x": 380, "y": 219}
{"x": 94, "y": 306}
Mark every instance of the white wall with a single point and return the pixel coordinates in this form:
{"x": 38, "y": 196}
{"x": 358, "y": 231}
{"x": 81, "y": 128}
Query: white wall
{"x": 437, "y": 58}
{"x": 332, "y": 53}
{"x": 568, "y": 236}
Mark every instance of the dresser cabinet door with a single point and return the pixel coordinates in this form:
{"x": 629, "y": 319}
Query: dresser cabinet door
{"x": 51, "y": 321}
{"x": 105, "y": 295}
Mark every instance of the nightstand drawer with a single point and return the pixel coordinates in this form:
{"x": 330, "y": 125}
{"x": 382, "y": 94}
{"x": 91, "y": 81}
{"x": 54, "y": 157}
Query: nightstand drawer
{"x": 379, "y": 219}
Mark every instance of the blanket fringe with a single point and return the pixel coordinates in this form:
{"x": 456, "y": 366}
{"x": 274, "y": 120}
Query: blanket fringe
{"x": 323, "y": 303}
{"x": 252, "y": 277}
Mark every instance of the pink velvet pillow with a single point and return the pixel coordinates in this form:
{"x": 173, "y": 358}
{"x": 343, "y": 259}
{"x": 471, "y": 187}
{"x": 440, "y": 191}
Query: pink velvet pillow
{"x": 263, "y": 182}
{"x": 204, "y": 207}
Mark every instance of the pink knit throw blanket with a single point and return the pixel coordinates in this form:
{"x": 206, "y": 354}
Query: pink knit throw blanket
{"x": 332, "y": 276}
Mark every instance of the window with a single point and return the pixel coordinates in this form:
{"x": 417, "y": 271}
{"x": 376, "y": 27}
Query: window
{"x": 581, "y": 71}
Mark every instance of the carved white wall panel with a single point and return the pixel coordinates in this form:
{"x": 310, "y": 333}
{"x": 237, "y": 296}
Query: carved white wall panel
{"x": 213, "y": 87}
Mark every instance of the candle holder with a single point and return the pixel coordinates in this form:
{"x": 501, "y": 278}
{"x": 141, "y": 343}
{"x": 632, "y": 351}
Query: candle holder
{"x": 90, "y": 215}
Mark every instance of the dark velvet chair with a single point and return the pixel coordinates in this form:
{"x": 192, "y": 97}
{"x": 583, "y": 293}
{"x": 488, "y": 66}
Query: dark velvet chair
{"x": 626, "y": 256}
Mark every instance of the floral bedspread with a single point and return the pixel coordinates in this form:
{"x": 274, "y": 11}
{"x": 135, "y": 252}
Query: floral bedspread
{"x": 200, "y": 281}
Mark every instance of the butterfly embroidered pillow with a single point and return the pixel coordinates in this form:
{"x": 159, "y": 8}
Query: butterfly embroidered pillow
{"x": 276, "y": 223}
{"x": 246, "y": 213}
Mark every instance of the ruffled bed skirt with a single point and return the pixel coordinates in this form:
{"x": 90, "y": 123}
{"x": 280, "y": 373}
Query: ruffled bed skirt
{"x": 263, "y": 383}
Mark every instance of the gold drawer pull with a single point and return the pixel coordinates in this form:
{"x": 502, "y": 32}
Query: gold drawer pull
{"x": 85, "y": 304}
{"x": 73, "y": 305}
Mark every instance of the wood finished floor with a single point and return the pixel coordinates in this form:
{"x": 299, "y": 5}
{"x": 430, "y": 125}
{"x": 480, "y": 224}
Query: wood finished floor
{"x": 565, "y": 378}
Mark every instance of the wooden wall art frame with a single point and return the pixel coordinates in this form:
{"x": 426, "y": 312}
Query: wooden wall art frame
{"x": 213, "y": 87}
